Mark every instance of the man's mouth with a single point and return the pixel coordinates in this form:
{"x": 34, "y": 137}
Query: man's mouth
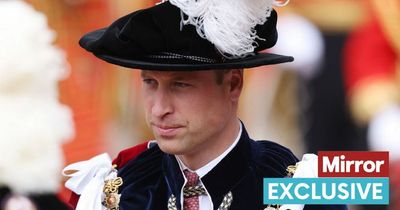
{"x": 165, "y": 130}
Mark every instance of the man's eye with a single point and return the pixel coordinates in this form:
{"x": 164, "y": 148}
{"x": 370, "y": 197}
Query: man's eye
{"x": 149, "y": 81}
{"x": 181, "y": 84}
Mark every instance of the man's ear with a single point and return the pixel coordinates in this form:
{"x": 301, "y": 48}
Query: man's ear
{"x": 236, "y": 83}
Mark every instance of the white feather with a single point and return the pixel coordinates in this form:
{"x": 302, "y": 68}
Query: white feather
{"x": 33, "y": 124}
{"x": 229, "y": 25}
{"x": 29, "y": 63}
{"x": 32, "y": 131}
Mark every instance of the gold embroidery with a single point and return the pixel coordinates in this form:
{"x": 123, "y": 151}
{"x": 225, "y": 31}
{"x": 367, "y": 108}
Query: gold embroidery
{"x": 172, "y": 203}
{"x": 226, "y": 202}
{"x": 193, "y": 191}
{"x": 290, "y": 170}
{"x": 273, "y": 207}
{"x": 111, "y": 186}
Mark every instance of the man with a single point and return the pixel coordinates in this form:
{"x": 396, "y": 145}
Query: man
{"x": 192, "y": 56}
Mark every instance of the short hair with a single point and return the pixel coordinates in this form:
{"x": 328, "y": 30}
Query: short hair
{"x": 220, "y": 74}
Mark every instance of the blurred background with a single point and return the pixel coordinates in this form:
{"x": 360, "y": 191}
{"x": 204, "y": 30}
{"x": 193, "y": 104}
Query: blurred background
{"x": 341, "y": 93}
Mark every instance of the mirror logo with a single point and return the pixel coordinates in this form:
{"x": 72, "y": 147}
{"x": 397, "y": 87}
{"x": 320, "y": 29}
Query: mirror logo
{"x": 343, "y": 178}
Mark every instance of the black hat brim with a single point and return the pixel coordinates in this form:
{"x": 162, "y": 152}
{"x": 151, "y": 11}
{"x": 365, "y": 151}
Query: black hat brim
{"x": 256, "y": 60}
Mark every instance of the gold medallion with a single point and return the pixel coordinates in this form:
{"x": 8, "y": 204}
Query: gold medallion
{"x": 112, "y": 198}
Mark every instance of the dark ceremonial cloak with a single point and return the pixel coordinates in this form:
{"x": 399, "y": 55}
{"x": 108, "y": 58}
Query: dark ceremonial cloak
{"x": 151, "y": 177}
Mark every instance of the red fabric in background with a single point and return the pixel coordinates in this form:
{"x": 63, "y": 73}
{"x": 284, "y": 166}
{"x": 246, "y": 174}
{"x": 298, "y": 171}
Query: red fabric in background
{"x": 367, "y": 55}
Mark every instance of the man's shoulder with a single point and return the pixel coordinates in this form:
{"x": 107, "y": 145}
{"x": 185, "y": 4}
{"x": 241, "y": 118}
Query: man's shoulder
{"x": 267, "y": 149}
{"x": 270, "y": 156}
{"x": 129, "y": 154}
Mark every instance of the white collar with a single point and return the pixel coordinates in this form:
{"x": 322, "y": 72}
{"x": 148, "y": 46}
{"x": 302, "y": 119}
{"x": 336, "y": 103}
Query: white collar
{"x": 210, "y": 165}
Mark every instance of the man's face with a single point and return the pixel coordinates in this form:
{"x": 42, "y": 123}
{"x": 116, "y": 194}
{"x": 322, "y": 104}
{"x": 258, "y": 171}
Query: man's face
{"x": 188, "y": 111}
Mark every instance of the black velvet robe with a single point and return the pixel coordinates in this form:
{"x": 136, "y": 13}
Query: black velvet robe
{"x": 153, "y": 176}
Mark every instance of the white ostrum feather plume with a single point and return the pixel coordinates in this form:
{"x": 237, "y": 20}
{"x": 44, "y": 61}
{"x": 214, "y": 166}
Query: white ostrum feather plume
{"x": 229, "y": 25}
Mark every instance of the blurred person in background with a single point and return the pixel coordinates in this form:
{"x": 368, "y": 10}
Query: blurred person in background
{"x": 276, "y": 114}
{"x": 104, "y": 101}
{"x": 33, "y": 123}
{"x": 325, "y": 118}
{"x": 372, "y": 72}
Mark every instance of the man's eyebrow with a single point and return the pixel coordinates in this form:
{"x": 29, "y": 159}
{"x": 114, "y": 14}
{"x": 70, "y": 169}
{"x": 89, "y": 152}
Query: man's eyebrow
{"x": 173, "y": 76}
{"x": 143, "y": 74}
{"x": 179, "y": 77}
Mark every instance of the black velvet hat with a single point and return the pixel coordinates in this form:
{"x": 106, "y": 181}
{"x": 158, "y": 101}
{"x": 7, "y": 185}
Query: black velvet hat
{"x": 156, "y": 39}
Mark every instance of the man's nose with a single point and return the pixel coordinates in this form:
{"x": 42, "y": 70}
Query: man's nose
{"x": 162, "y": 104}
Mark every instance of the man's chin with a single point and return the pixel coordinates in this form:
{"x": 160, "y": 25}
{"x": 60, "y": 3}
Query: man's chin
{"x": 169, "y": 146}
